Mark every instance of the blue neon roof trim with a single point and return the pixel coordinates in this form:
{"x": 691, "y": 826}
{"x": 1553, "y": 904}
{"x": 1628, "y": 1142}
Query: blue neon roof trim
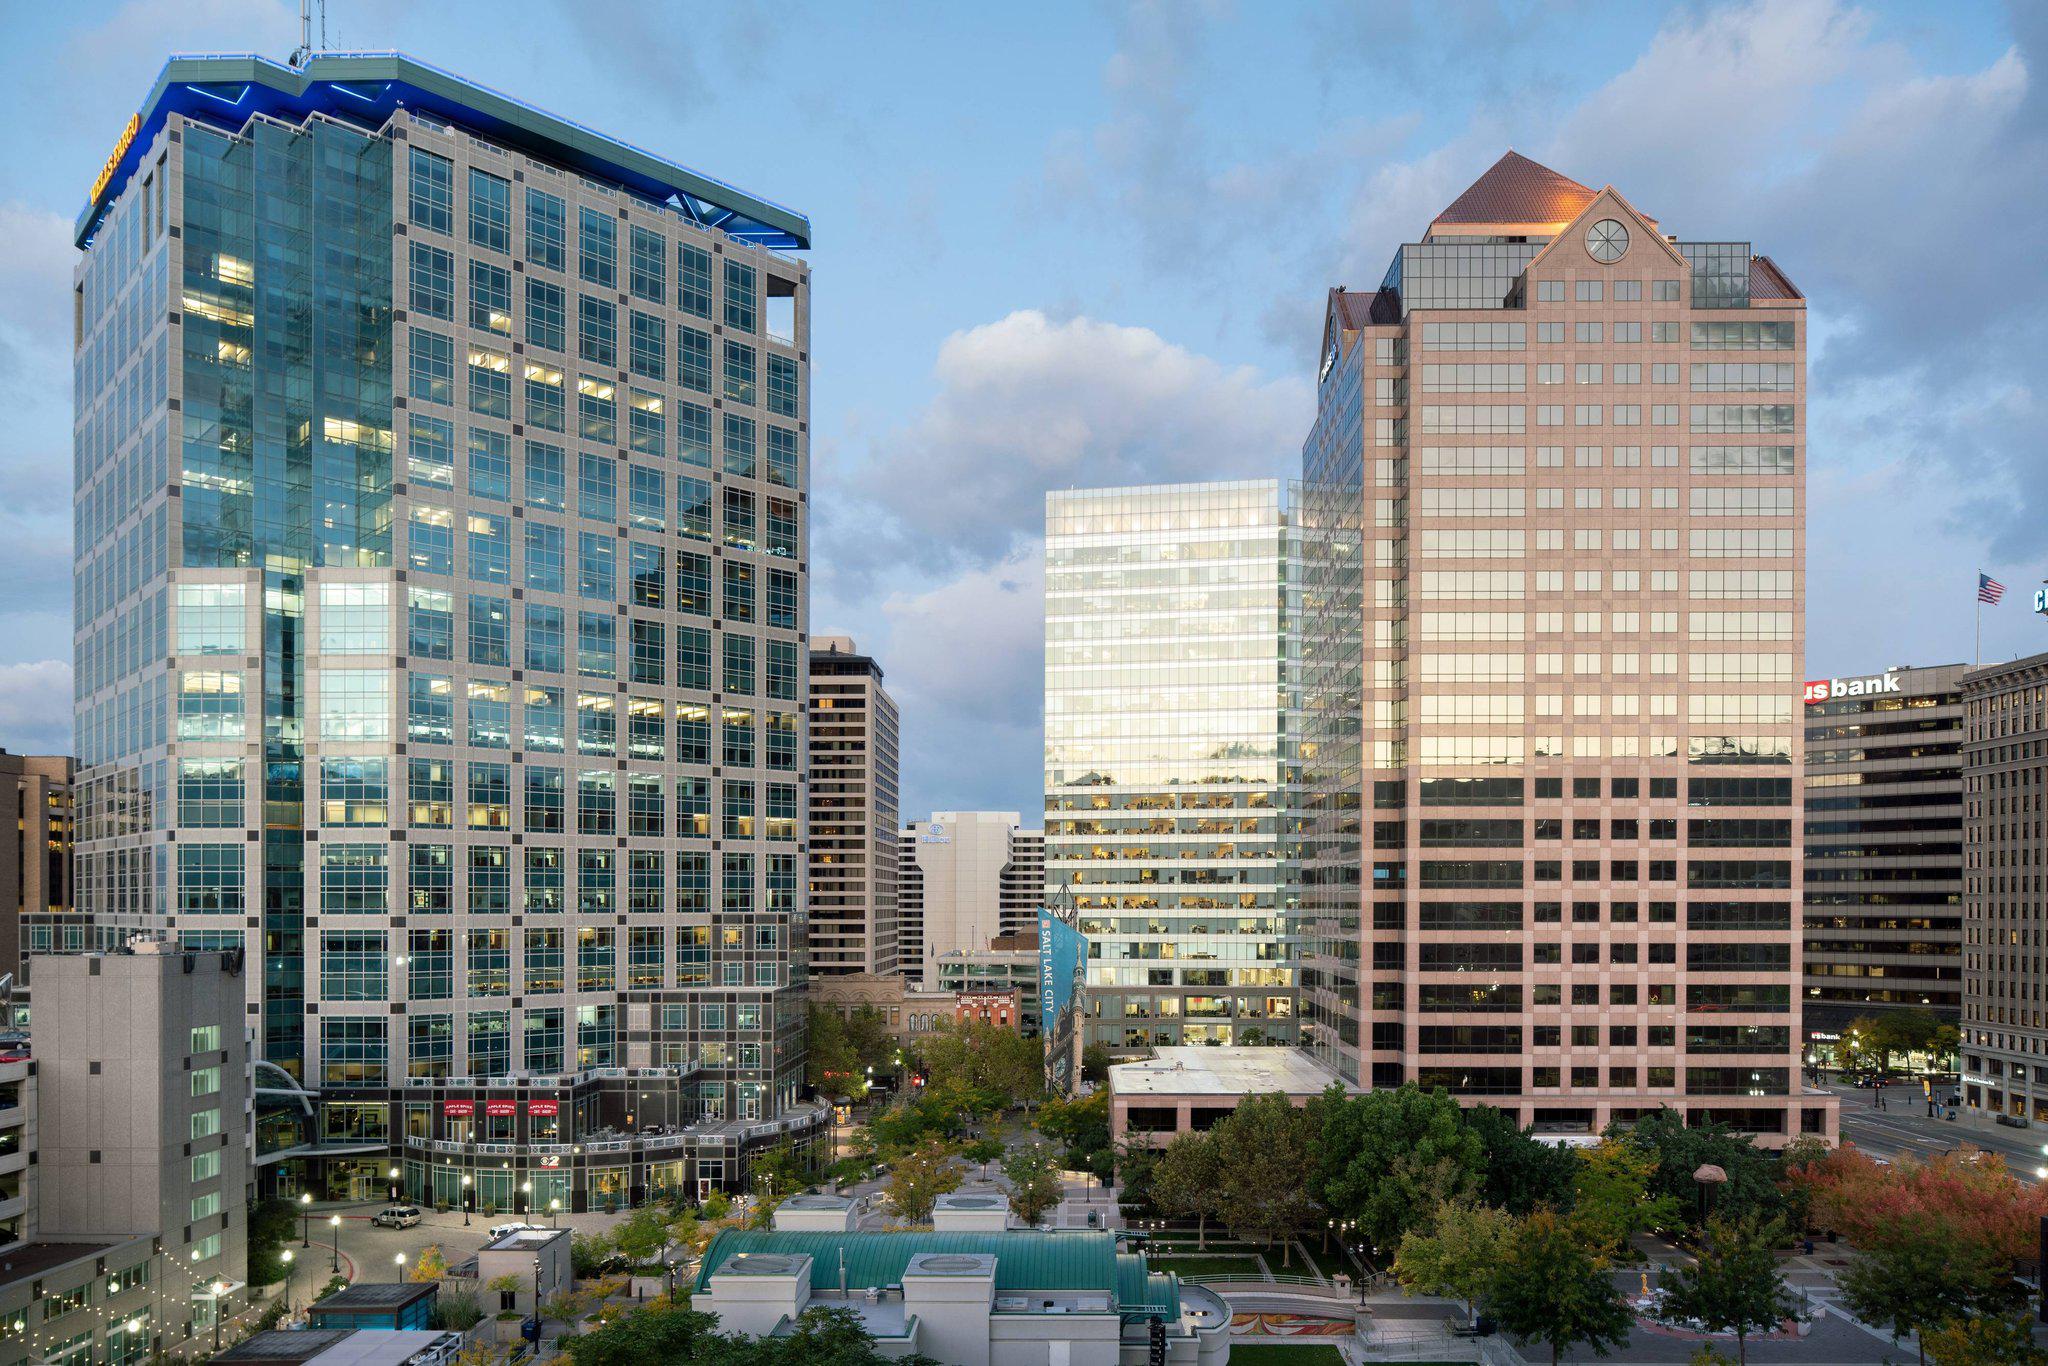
{"x": 366, "y": 88}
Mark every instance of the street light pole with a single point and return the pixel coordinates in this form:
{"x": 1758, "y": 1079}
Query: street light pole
{"x": 465, "y": 1201}
{"x": 399, "y": 1262}
{"x": 291, "y": 1269}
{"x": 335, "y": 1224}
{"x": 305, "y": 1218}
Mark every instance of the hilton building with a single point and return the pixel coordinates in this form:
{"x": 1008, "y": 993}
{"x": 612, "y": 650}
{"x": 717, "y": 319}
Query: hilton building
{"x": 442, "y": 603}
{"x": 1552, "y": 631}
{"x": 1884, "y": 847}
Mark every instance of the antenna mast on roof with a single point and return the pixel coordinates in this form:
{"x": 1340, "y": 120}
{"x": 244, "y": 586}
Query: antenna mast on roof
{"x": 304, "y": 52}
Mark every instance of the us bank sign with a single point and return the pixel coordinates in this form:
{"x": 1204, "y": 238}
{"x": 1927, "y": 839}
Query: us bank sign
{"x": 1833, "y": 689}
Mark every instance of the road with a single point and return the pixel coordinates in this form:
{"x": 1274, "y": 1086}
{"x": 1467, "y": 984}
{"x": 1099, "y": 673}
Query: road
{"x": 1902, "y": 1129}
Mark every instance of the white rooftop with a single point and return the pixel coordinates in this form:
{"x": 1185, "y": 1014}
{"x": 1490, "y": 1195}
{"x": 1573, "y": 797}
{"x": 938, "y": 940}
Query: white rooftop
{"x": 1224, "y": 1071}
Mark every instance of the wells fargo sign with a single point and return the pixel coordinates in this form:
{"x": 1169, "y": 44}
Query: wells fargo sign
{"x": 113, "y": 163}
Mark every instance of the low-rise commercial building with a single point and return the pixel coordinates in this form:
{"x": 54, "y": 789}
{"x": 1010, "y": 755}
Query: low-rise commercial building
{"x": 534, "y": 1262}
{"x": 1008, "y": 966}
{"x": 1188, "y": 1089}
{"x": 968, "y": 1298}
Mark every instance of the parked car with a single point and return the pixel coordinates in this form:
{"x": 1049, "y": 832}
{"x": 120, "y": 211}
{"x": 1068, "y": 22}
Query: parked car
{"x": 397, "y": 1216}
{"x": 502, "y": 1229}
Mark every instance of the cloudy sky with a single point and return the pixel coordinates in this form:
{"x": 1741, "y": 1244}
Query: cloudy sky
{"x": 1077, "y": 244}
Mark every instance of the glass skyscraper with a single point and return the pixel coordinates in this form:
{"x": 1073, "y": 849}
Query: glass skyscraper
{"x": 440, "y": 571}
{"x": 1164, "y": 782}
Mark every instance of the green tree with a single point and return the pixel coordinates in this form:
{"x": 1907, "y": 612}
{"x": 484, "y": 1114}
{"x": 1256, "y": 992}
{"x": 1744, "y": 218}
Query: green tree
{"x": 1034, "y": 1182}
{"x": 919, "y": 1178}
{"x": 1518, "y": 1171}
{"x": 831, "y": 1065}
{"x": 1187, "y": 1181}
{"x": 1680, "y": 1150}
{"x": 1915, "y": 1283}
{"x": 1733, "y": 1284}
{"x": 1550, "y": 1288}
{"x": 781, "y": 1171}
{"x": 1264, "y": 1146}
{"x": 1005, "y": 1068}
{"x": 1455, "y": 1254}
{"x": 1136, "y": 1161}
{"x": 1611, "y": 1198}
{"x": 867, "y": 1030}
{"x": 983, "y": 1151}
{"x": 1081, "y": 1127}
{"x": 587, "y": 1252}
{"x": 1388, "y": 1158}
{"x": 272, "y": 1226}
{"x": 643, "y": 1234}
{"x": 1095, "y": 1063}
{"x": 1989, "y": 1340}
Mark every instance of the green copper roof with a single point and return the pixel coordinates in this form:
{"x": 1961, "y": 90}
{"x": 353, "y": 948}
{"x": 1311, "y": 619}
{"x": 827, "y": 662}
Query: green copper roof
{"x": 1026, "y": 1259}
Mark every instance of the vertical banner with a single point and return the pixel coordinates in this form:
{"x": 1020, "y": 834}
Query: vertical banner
{"x": 1062, "y": 958}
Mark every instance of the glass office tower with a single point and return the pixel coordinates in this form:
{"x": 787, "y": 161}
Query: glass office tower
{"x": 1164, "y": 784}
{"x": 440, "y": 570}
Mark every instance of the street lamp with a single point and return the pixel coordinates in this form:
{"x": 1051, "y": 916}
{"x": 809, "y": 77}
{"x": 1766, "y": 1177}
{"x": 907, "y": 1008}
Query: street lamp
{"x": 554, "y": 1213}
{"x": 526, "y": 1197}
{"x": 290, "y": 1270}
{"x": 306, "y": 1217}
{"x": 393, "y": 1176}
{"x": 1708, "y": 1176}
{"x": 399, "y": 1262}
{"x": 465, "y": 1201}
{"x": 335, "y": 1224}
{"x": 220, "y": 1291}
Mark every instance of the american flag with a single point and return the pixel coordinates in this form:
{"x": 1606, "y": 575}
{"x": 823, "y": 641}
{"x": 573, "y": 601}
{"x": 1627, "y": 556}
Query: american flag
{"x": 1989, "y": 589}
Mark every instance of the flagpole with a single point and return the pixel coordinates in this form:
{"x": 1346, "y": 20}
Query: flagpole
{"x": 1980, "y": 620}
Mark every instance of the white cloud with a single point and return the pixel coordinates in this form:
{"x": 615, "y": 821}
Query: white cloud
{"x": 1026, "y": 404}
{"x": 35, "y": 707}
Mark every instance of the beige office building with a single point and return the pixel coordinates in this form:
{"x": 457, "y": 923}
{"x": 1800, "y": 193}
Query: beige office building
{"x": 2005, "y": 888}
{"x": 36, "y": 902}
{"x": 964, "y": 879}
{"x": 1552, "y": 645}
{"x": 853, "y": 828}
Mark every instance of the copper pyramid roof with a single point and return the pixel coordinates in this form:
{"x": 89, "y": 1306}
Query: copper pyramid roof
{"x": 1516, "y": 190}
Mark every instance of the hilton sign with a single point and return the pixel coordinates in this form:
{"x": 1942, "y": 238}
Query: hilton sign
{"x": 1832, "y": 689}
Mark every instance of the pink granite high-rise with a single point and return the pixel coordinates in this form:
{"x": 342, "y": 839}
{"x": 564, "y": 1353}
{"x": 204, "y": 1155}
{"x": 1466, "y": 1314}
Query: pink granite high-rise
{"x": 1551, "y": 657}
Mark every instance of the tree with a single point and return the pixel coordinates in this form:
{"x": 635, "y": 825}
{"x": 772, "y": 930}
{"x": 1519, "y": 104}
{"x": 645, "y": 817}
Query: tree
{"x": 919, "y": 1178}
{"x": 831, "y": 1064}
{"x": 983, "y": 1151}
{"x": 1004, "y": 1067}
{"x": 431, "y": 1265}
{"x": 1264, "y": 1146}
{"x": 1081, "y": 1127}
{"x": 1992, "y": 1340}
{"x": 867, "y": 1029}
{"x": 587, "y": 1253}
{"x": 781, "y": 1171}
{"x": 1136, "y": 1160}
{"x": 1095, "y": 1063}
{"x": 1611, "y": 1199}
{"x": 1733, "y": 1284}
{"x": 642, "y": 1236}
{"x": 1551, "y": 1289}
{"x": 1680, "y": 1150}
{"x": 1034, "y": 1182}
{"x": 1456, "y": 1253}
{"x": 1518, "y": 1171}
{"x": 1187, "y": 1181}
{"x": 272, "y": 1226}
{"x": 1388, "y": 1158}
{"x": 1914, "y": 1284}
